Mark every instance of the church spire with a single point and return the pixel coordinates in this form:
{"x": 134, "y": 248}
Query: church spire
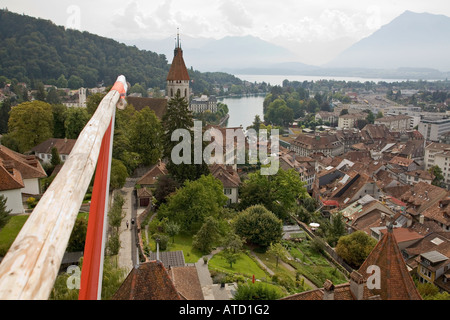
{"x": 177, "y": 42}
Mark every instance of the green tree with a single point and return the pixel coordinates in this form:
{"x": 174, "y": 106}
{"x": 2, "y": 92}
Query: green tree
{"x": 56, "y": 159}
{"x": 278, "y": 193}
{"x": 119, "y": 174}
{"x": 78, "y": 235}
{"x": 62, "y": 82}
{"x": 205, "y": 238}
{"x": 76, "y": 120}
{"x": 354, "y": 248}
{"x": 370, "y": 117}
{"x": 41, "y": 94}
{"x": 116, "y": 213}
{"x": 53, "y": 96}
{"x": 165, "y": 186}
{"x": 278, "y": 251}
{"x": 336, "y": 229}
{"x": 59, "y": 118}
{"x": 93, "y": 101}
{"x": 172, "y": 229}
{"x": 430, "y": 291}
{"x": 4, "y": 213}
{"x": 30, "y": 123}
{"x": 436, "y": 171}
{"x": 137, "y": 88}
{"x": 177, "y": 117}
{"x": 232, "y": 248}
{"x": 5, "y": 108}
{"x": 145, "y": 136}
{"x": 258, "y": 225}
{"x": 193, "y": 202}
{"x": 75, "y": 82}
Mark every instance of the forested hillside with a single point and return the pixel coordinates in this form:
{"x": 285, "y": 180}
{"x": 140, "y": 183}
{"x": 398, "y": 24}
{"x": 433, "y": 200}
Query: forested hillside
{"x": 35, "y": 50}
{"x": 32, "y": 49}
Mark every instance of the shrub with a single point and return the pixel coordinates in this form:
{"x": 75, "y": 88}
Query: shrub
{"x": 256, "y": 291}
{"x": 163, "y": 240}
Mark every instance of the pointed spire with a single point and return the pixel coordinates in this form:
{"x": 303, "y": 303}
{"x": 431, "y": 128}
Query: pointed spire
{"x": 394, "y": 278}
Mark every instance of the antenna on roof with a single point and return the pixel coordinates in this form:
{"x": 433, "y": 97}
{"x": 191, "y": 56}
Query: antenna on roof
{"x": 177, "y": 42}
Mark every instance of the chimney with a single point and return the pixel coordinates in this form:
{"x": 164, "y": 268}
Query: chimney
{"x": 357, "y": 285}
{"x": 421, "y": 219}
{"x": 408, "y": 221}
{"x": 328, "y": 290}
{"x": 157, "y": 249}
{"x": 9, "y": 166}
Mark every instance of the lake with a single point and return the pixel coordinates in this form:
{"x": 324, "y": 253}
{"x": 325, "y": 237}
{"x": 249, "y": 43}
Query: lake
{"x": 242, "y": 110}
{"x": 275, "y": 80}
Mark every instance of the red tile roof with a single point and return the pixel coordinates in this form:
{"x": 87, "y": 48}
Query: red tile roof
{"x": 227, "y": 175}
{"x": 28, "y": 166}
{"x": 151, "y": 177}
{"x": 10, "y": 179}
{"x": 178, "y": 70}
{"x": 404, "y": 234}
{"x": 187, "y": 283}
{"x": 149, "y": 281}
{"x": 395, "y": 281}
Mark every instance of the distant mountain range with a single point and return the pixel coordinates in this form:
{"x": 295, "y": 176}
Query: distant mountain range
{"x": 412, "y": 40}
{"x": 413, "y": 46}
{"x": 228, "y": 53}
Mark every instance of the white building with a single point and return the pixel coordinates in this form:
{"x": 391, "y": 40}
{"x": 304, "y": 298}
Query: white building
{"x": 350, "y": 120}
{"x": 396, "y": 123}
{"x": 204, "y": 103}
{"x": 44, "y": 149}
{"x": 438, "y": 154}
{"x": 434, "y": 129}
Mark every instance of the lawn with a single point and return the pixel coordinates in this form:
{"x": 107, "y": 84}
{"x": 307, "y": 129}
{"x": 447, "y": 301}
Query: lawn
{"x": 183, "y": 242}
{"x": 10, "y": 231}
{"x": 244, "y": 265}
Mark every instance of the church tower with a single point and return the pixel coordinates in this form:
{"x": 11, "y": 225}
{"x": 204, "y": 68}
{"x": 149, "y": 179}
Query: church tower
{"x": 178, "y": 77}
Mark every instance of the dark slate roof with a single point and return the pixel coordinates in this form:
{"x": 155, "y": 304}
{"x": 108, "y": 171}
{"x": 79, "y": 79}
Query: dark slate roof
{"x": 169, "y": 258}
{"x": 64, "y": 146}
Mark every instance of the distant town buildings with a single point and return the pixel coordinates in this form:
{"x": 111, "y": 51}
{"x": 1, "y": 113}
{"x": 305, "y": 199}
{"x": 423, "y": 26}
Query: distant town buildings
{"x": 326, "y": 143}
{"x": 396, "y": 123}
{"x": 434, "y": 129}
{"x": 203, "y": 103}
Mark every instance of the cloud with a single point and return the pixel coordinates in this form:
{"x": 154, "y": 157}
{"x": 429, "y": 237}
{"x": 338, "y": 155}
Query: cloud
{"x": 236, "y": 16}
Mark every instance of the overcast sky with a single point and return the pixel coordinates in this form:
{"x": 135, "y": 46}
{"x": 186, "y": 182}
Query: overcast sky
{"x": 315, "y": 29}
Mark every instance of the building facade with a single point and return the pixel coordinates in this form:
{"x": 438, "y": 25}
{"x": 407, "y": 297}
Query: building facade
{"x": 438, "y": 154}
{"x": 396, "y": 123}
{"x": 326, "y": 143}
{"x": 348, "y": 121}
{"x": 434, "y": 129}
{"x": 204, "y": 103}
